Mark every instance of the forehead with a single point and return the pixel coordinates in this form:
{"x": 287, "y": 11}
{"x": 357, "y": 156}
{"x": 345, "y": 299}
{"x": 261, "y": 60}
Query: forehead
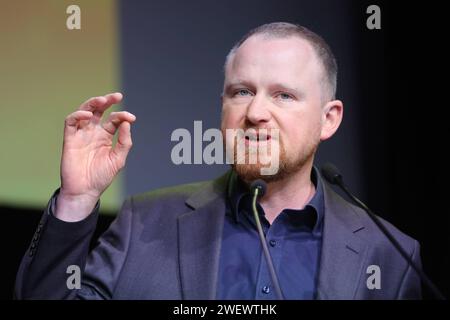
{"x": 288, "y": 59}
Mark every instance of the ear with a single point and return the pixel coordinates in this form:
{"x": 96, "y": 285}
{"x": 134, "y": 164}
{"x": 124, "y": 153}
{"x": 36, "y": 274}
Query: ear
{"x": 332, "y": 115}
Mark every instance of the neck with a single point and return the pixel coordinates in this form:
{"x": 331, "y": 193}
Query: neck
{"x": 293, "y": 192}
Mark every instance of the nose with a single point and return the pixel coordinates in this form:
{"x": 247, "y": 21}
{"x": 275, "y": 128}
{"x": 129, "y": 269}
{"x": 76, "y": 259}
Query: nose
{"x": 257, "y": 111}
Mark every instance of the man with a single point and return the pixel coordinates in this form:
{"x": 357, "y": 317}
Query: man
{"x": 199, "y": 241}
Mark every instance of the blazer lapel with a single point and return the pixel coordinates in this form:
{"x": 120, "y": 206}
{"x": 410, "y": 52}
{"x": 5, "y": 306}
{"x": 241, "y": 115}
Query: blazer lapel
{"x": 199, "y": 241}
{"x": 343, "y": 251}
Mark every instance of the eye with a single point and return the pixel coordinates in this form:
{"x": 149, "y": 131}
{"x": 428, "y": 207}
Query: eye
{"x": 285, "y": 96}
{"x": 242, "y": 92}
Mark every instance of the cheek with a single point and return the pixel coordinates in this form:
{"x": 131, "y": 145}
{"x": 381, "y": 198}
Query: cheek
{"x": 231, "y": 118}
{"x": 300, "y": 129}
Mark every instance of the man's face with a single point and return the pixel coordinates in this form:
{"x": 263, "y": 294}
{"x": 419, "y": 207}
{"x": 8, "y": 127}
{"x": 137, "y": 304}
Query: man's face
{"x": 274, "y": 84}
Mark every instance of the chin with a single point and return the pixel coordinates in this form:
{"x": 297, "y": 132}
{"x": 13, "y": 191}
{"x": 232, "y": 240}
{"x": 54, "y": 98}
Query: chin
{"x": 251, "y": 172}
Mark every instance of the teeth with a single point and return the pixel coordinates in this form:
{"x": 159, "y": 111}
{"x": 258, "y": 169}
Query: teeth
{"x": 256, "y": 138}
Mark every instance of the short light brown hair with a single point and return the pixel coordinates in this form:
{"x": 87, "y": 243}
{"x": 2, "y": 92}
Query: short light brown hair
{"x": 281, "y": 30}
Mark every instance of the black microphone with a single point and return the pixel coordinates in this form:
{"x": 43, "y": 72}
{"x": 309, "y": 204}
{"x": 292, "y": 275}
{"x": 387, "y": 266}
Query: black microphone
{"x": 333, "y": 176}
{"x": 258, "y": 189}
{"x": 260, "y": 185}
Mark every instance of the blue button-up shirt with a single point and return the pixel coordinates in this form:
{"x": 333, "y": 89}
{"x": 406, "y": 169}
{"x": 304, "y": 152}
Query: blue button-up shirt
{"x": 294, "y": 240}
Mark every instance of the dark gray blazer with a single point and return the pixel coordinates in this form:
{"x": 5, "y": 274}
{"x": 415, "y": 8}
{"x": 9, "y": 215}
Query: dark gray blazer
{"x": 165, "y": 244}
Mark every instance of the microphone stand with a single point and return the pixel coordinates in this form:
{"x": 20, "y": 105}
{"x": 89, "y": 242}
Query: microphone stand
{"x": 262, "y": 238}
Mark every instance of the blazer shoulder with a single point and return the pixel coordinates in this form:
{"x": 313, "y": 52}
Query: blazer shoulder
{"x": 353, "y": 215}
{"x": 376, "y": 236}
{"x": 175, "y": 198}
{"x": 170, "y": 195}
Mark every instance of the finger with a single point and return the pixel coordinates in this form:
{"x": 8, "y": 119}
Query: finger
{"x": 73, "y": 120}
{"x": 114, "y": 98}
{"x": 115, "y": 119}
{"x": 93, "y": 103}
{"x": 98, "y": 105}
{"x": 124, "y": 143}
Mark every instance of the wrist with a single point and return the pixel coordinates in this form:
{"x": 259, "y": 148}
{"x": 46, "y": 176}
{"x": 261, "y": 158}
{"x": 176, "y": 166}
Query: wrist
{"x": 73, "y": 208}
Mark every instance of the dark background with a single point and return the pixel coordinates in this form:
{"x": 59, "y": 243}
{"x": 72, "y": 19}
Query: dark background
{"x": 172, "y": 58}
{"x": 390, "y": 148}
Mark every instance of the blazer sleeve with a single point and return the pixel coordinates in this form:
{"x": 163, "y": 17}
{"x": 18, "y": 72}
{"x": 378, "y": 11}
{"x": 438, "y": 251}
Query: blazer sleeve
{"x": 57, "y": 246}
{"x": 410, "y": 287}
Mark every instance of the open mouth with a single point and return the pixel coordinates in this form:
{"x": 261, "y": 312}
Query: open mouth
{"x": 258, "y": 137}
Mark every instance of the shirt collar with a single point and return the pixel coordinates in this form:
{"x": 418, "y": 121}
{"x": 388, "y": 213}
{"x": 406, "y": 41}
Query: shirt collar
{"x": 238, "y": 189}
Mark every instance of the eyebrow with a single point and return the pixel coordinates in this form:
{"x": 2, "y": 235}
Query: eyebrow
{"x": 283, "y": 87}
{"x": 238, "y": 83}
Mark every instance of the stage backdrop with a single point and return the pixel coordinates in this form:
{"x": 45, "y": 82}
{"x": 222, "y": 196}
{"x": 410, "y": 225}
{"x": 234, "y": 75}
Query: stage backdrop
{"x": 46, "y": 72}
{"x": 166, "y": 56}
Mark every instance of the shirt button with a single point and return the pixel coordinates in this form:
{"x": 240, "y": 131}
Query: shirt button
{"x": 266, "y": 289}
{"x": 272, "y": 243}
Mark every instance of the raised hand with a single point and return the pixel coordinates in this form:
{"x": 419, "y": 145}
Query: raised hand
{"x": 89, "y": 162}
